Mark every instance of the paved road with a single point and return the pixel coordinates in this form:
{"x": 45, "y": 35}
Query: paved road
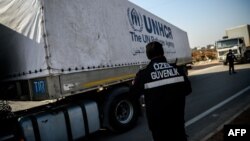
{"x": 216, "y": 98}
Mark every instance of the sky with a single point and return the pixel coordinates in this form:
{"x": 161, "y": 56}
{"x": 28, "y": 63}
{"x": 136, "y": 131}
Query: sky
{"x": 204, "y": 21}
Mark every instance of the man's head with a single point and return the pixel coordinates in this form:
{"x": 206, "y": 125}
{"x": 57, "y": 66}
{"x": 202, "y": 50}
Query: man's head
{"x": 230, "y": 50}
{"x": 154, "y": 49}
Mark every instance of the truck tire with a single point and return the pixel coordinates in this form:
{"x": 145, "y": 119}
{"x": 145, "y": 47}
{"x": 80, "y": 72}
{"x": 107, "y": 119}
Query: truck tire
{"x": 243, "y": 60}
{"x": 121, "y": 111}
{"x": 247, "y": 56}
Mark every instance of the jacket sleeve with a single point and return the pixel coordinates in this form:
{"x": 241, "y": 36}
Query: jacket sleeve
{"x": 187, "y": 88}
{"x": 137, "y": 86}
{"x": 227, "y": 58}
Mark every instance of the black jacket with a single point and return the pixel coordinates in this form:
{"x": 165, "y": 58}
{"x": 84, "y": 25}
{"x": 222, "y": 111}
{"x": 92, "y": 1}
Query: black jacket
{"x": 231, "y": 57}
{"x": 164, "y": 87}
{"x": 159, "y": 75}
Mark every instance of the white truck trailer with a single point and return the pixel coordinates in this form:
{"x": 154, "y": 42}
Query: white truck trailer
{"x": 82, "y": 55}
{"x": 237, "y": 39}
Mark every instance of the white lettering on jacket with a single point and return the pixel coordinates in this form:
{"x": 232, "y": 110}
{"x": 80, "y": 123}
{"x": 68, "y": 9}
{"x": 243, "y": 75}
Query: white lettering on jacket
{"x": 164, "y": 73}
{"x": 160, "y": 66}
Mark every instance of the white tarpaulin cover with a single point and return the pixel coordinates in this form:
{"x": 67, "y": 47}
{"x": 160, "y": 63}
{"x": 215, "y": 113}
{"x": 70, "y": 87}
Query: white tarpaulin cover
{"x": 80, "y": 36}
{"x": 22, "y": 50}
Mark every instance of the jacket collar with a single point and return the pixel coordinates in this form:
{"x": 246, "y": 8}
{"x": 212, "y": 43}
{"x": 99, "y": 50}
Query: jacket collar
{"x": 159, "y": 59}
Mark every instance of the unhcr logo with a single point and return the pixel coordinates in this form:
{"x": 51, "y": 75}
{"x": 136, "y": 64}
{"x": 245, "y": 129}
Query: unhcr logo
{"x": 135, "y": 19}
{"x": 152, "y": 25}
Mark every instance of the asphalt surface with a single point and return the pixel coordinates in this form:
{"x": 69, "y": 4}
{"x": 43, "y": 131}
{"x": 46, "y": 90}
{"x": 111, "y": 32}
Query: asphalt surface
{"x": 242, "y": 117}
{"x": 212, "y": 105}
{"x": 235, "y": 104}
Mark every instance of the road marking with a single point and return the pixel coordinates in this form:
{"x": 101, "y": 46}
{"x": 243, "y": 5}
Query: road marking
{"x": 202, "y": 115}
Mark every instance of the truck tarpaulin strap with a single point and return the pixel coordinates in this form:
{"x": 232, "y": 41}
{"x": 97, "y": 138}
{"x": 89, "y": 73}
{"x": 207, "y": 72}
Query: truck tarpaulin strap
{"x": 35, "y": 128}
{"x": 67, "y": 121}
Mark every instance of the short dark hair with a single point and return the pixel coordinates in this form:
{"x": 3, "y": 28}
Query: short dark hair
{"x": 154, "y": 49}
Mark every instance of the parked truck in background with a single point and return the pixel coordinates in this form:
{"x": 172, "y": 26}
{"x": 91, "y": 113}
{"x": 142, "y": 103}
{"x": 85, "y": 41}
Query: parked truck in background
{"x": 238, "y": 40}
{"x": 66, "y": 66}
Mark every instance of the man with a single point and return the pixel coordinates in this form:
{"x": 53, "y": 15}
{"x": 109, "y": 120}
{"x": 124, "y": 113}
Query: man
{"x": 230, "y": 59}
{"x": 164, "y": 87}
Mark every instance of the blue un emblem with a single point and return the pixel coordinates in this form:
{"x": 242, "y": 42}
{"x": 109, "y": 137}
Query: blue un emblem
{"x": 135, "y": 19}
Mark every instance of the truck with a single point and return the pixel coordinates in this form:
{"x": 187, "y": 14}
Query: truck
{"x": 67, "y": 66}
{"x": 238, "y": 40}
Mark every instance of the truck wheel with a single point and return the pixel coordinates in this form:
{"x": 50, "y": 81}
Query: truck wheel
{"x": 247, "y": 56}
{"x": 242, "y": 60}
{"x": 121, "y": 111}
